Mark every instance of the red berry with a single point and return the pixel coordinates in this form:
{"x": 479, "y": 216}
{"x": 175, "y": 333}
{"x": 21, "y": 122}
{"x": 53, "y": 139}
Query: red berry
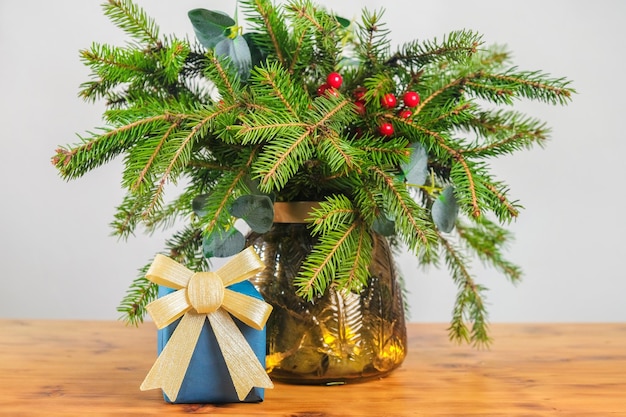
{"x": 411, "y": 99}
{"x": 360, "y": 107}
{"x": 322, "y": 89}
{"x": 405, "y": 114}
{"x": 332, "y": 92}
{"x": 359, "y": 93}
{"x": 389, "y": 101}
{"x": 327, "y": 90}
{"x": 386, "y": 129}
{"x": 334, "y": 79}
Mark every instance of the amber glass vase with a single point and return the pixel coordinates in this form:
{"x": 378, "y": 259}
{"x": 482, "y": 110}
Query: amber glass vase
{"x": 338, "y": 338}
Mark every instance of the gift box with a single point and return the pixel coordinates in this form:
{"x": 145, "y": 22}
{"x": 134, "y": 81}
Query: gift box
{"x": 211, "y": 338}
{"x": 207, "y": 379}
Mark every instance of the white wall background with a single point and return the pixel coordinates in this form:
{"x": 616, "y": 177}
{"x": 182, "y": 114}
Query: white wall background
{"x": 58, "y": 259}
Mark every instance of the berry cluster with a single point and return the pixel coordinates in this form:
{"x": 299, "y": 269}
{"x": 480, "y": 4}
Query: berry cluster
{"x": 388, "y": 101}
{"x": 332, "y": 84}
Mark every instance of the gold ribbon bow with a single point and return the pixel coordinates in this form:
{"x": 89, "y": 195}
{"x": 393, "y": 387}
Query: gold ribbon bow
{"x": 203, "y": 295}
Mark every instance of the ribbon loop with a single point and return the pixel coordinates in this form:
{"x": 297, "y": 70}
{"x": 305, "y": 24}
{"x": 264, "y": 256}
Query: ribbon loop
{"x": 200, "y": 296}
{"x": 241, "y": 267}
{"x": 169, "y": 273}
{"x": 168, "y": 309}
{"x": 246, "y": 309}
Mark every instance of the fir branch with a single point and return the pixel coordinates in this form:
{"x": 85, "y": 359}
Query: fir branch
{"x": 128, "y": 214}
{"x": 178, "y": 160}
{"x": 516, "y": 141}
{"x": 138, "y": 295}
{"x": 174, "y": 58}
{"x": 338, "y": 154}
{"x": 487, "y": 240}
{"x": 134, "y": 21}
{"x": 343, "y": 254}
{"x": 456, "y": 46}
{"x": 141, "y": 177}
{"x": 167, "y": 216}
{"x": 184, "y": 247}
{"x": 373, "y": 40}
{"x": 303, "y": 49}
{"x": 536, "y": 85}
{"x": 115, "y": 64}
{"x": 271, "y": 33}
{"x": 469, "y": 305}
{"x": 305, "y": 10}
{"x": 224, "y": 76}
{"x": 409, "y": 216}
{"x": 459, "y": 158}
{"x": 121, "y": 72}
{"x": 331, "y": 214}
{"x": 480, "y": 190}
{"x": 272, "y": 83}
{"x": 290, "y": 148}
{"x": 473, "y": 185}
{"x": 377, "y": 86}
{"x": 510, "y": 207}
{"x": 382, "y": 152}
{"x": 469, "y": 176}
{"x": 177, "y": 163}
{"x": 327, "y": 111}
{"x": 369, "y": 203}
{"x": 277, "y": 163}
{"x": 355, "y": 271}
{"x": 259, "y": 133}
{"x": 321, "y": 266}
{"x": 91, "y": 153}
{"x": 455, "y": 85}
{"x": 223, "y": 194}
{"x": 455, "y": 115}
{"x": 325, "y": 29}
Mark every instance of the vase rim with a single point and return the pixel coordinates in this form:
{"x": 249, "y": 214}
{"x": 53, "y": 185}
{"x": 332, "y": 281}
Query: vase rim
{"x": 294, "y": 211}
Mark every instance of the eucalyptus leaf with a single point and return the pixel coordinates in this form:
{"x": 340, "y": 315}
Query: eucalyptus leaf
{"x": 210, "y": 26}
{"x": 253, "y": 186}
{"x": 257, "y": 54}
{"x": 343, "y": 21}
{"x": 222, "y": 245}
{"x": 198, "y": 204}
{"x": 416, "y": 169}
{"x": 239, "y": 53}
{"x": 256, "y": 210}
{"x": 383, "y": 226}
{"x": 445, "y": 210}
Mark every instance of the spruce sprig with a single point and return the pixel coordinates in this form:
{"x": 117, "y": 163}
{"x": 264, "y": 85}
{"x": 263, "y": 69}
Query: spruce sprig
{"x": 134, "y": 21}
{"x": 457, "y": 46}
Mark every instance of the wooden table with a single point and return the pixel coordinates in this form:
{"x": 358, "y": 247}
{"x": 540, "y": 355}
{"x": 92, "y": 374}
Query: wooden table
{"x": 93, "y": 368}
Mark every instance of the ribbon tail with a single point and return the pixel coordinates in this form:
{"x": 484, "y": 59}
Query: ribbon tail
{"x": 170, "y": 367}
{"x": 245, "y": 369}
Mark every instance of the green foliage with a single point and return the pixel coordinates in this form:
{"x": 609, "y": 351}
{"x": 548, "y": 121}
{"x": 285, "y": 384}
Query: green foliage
{"x": 343, "y": 254}
{"x": 241, "y": 120}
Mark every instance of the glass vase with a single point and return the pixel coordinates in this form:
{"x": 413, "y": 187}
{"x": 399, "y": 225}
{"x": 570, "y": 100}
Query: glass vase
{"x": 338, "y": 338}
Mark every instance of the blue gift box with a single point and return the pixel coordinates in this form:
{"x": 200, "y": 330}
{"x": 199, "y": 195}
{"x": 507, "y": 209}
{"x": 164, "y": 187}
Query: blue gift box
{"x": 207, "y": 379}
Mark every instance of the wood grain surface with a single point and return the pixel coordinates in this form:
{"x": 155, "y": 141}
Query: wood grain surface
{"x": 94, "y": 368}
